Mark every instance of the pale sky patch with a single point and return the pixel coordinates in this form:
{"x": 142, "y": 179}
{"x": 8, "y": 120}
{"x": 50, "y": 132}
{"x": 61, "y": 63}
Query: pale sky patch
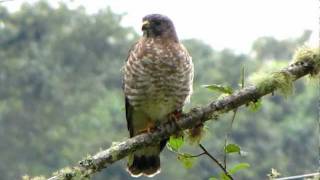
{"x": 232, "y": 24}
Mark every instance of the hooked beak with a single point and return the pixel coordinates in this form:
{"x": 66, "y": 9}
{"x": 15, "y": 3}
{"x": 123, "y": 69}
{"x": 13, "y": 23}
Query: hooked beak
{"x": 145, "y": 25}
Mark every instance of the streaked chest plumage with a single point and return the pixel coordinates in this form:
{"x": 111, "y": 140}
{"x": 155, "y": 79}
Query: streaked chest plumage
{"x": 158, "y": 78}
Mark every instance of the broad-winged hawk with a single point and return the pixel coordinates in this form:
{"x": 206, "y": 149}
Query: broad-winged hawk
{"x": 158, "y": 76}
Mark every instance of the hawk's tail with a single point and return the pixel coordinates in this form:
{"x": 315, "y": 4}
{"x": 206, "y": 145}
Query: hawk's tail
{"x": 145, "y": 162}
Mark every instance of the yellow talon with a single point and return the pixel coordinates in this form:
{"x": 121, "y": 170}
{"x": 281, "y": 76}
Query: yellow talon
{"x": 149, "y": 128}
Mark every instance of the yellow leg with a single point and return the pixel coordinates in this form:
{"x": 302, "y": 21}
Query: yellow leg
{"x": 149, "y": 128}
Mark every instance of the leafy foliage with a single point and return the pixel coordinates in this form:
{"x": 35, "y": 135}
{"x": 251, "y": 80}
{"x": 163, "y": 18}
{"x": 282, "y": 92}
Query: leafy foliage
{"x": 175, "y": 143}
{"x": 187, "y": 160}
{"x": 219, "y": 88}
{"x": 269, "y": 48}
{"x": 238, "y": 167}
{"x": 232, "y": 148}
{"x": 255, "y": 106}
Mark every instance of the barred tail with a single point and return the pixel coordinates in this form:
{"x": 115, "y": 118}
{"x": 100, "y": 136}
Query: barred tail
{"x": 144, "y": 163}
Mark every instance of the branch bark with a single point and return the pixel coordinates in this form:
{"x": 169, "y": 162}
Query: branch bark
{"x": 196, "y": 116}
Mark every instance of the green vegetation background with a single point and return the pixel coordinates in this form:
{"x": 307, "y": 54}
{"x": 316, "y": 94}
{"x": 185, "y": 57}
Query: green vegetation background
{"x": 61, "y": 98}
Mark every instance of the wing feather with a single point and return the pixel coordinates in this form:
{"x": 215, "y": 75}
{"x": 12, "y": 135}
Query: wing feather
{"x": 129, "y": 112}
{"x": 128, "y": 106}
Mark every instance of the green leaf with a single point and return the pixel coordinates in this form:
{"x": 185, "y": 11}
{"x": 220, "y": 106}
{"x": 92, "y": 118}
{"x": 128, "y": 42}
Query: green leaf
{"x": 219, "y": 88}
{"x": 186, "y": 160}
{"x": 175, "y": 143}
{"x": 255, "y": 106}
{"x": 232, "y": 148}
{"x": 223, "y": 176}
{"x": 238, "y": 167}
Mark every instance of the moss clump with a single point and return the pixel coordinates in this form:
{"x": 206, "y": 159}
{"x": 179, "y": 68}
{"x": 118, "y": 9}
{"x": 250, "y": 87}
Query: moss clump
{"x": 74, "y": 173}
{"x": 87, "y": 161}
{"x": 66, "y": 173}
{"x": 308, "y": 55}
{"x": 281, "y": 81}
{"x": 195, "y": 134}
{"x": 26, "y": 177}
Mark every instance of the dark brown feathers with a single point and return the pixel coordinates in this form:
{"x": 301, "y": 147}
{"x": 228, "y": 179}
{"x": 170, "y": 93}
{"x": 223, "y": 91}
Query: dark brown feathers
{"x": 157, "y": 25}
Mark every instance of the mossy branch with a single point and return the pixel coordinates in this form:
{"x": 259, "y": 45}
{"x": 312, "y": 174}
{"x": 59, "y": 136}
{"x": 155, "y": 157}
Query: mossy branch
{"x": 306, "y": 62}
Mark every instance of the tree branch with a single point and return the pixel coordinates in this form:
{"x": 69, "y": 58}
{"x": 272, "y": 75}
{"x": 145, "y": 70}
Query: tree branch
{"x": 304, "y": 65}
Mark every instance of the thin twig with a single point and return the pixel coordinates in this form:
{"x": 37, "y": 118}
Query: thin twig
{"x": 232, "y": 121}
{"x": 193, "y": 156}
{"x": 227, "y": 137}
{"x": 216, "y": 161}
{"x": 299, "y": 176}
{"x": 186, "y": 155}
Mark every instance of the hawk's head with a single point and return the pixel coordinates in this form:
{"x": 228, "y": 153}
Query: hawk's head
{"x": 157, "y": 25}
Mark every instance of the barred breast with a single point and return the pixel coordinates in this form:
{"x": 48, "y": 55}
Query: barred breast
{"x": 158, "y": 78}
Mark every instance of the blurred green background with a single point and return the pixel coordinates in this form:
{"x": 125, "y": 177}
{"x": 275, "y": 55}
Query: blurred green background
{"x": 61, "y": 98}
